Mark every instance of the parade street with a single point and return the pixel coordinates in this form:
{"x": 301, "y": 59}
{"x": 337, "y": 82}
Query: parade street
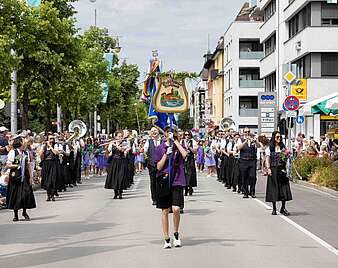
{"x": 87, "y": 228}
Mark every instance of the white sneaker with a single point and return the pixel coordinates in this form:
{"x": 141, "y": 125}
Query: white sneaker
{"x": 167, "y": 245}
{"x": 177, "y": 243}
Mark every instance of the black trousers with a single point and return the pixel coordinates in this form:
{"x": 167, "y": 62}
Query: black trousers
{"x": 152, "y": 173}
{"x": 248, "y": 174}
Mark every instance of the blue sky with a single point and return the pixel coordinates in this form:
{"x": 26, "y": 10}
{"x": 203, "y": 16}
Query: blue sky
{"x": 178, "y": 29}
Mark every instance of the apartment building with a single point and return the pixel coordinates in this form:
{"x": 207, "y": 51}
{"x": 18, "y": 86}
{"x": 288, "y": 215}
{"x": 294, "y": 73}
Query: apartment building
{"x": 302, "y": 36}
{"x": 242, "y": 54}
{"x": 213, "y": 68}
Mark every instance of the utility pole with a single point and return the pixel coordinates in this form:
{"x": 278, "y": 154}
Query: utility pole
{"x": 58, "y": 118}
{"x": 14, "y": 104}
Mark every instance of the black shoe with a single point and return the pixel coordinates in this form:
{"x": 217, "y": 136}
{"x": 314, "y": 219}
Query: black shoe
{"x": 154, "y": 203}
{"x": 79, "y": 182}
{"x": 284, "y": 212}
{"x": 115, "y": 197}
{"x": 245, "y": 196}
{"x": 16, "y": 219}
{"x": 48, "y": 199}
{"x": 274, "y": 212}
{"x": 70, "y": 186}
{"x": 186, "y": 194}
{"x": 27, "y": 218}
{"x": 56, "y": 194}
{"x": 253, "y": 196}
{"x": 53, "y": 199}
{"x": 120, "y": 197}
{"x": 239, "y": 191}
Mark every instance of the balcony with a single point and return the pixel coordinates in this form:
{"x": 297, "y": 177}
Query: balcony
{"x": 251, "y": 83}
{"x": 251, "y": 55}
{"x": 245, "y": 112}
{"x": 311, "y": 40}
{"x": 268, "y": 65}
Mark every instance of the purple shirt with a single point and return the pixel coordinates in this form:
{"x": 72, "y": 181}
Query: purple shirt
{"x": 177, "y": 174}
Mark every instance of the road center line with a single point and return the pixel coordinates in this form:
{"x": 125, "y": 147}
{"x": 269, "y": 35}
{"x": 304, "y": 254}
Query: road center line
{"x": 303, "y": 230}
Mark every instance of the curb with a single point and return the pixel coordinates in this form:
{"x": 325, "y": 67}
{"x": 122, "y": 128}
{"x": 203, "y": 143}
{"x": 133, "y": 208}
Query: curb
{"x": 316, "y": 187}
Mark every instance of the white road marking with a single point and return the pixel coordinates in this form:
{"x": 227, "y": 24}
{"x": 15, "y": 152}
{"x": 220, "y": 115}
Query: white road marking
{"x": 303, "y": 230}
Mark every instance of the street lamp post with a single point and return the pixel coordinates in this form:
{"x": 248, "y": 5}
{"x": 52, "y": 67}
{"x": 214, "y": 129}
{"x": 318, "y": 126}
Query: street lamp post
{"x": 137, "y": 118}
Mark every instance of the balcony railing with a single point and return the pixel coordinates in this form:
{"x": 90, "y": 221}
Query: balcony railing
{"x": 251, "y": 83}
{"x": 245, "y": 112}
{"x": 251, "y": 55}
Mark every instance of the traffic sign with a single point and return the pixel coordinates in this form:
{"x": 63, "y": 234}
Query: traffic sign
{"x": 300, "y": 119}
{"x": 299, "y": 89}
{"x": 289, "y": 77}
{"x": 291, "y": 113}
{"x": 291, "y": 103}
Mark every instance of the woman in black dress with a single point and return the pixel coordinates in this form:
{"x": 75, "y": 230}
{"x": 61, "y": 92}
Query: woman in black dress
{"x": 278, "y": 185}
{"x": 50, "y": 168}
{"x": 189, "y": 165}
{"x": 20, "y": 192}
{"x": 117, "y": 177}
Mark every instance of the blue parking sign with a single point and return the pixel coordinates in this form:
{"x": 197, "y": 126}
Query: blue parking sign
{"x": 300, "y": 119}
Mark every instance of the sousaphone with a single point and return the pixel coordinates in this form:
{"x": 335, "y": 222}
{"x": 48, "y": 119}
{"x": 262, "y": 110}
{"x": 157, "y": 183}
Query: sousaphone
{"x": 227, "y": 124}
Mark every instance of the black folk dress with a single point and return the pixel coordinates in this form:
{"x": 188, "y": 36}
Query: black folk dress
{"x": 277, "y": 187}
{"x": 190, "y": 166}
{"x": 50, "y": 171}
{"x": 20, "y": 192}
{"x": 118, "y": 173}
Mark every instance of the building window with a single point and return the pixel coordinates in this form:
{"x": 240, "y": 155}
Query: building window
{"x": 300, "y": 21}
{"x": 270, "y": 45}
{"x": 303, "y": 67}
{"x": 270, "y": 10}
{"x": 329, "y": 64}
{"x": 249, "y": 74}
{"x": 270, "y": 83}
{"x": 329, "y": 14}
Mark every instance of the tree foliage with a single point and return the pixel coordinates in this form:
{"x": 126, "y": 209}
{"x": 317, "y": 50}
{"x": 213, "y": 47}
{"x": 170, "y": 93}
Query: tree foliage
{"x": 55, "y": 64}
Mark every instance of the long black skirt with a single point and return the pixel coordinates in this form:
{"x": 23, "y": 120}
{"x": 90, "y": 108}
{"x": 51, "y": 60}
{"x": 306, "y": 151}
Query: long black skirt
{"x": 20, "y": 195}
{"x": 49, "y": 174}
{"x": 190, "y": 172}
{"x": 67, "y": 171}
{"x": 276, "y": 189}
{"x": 117, "y": 177}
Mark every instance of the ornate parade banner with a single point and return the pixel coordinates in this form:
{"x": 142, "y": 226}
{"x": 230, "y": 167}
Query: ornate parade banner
{"x": 171, "y": 96}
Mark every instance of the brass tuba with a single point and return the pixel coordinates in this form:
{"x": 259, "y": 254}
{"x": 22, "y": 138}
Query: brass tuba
{"x": 227, "y": 124}
{"x": 79, "y": 128}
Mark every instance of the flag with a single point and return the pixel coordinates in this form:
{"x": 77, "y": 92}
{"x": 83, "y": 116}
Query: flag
{"x": 149, "y": 82}
{"x": 109, "y": 57}
{"x": 34, "y": 3}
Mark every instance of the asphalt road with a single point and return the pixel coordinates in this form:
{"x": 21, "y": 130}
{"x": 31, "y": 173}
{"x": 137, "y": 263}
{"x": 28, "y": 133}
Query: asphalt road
{"x": 85, "y": 227}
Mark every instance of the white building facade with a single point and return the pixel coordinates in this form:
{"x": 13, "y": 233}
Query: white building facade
{"x": 242, "y": 83}
{"x": 300, "y": 35}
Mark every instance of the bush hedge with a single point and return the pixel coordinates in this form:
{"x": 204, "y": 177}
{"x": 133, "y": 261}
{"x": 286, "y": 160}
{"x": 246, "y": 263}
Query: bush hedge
{"x": 321, "y": 171}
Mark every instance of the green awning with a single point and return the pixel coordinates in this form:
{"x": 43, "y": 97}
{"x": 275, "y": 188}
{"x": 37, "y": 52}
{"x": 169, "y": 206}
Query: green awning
{"x": 328, "y": 106}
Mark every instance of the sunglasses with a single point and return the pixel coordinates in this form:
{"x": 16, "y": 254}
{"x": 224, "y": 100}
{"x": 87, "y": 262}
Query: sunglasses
{"x": 278, "y": 137}
{"x": 246, "y": 131}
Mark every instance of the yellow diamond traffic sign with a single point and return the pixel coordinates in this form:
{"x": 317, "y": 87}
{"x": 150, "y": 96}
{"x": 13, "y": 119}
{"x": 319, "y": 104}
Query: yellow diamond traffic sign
{"x": 289, "y": 77}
